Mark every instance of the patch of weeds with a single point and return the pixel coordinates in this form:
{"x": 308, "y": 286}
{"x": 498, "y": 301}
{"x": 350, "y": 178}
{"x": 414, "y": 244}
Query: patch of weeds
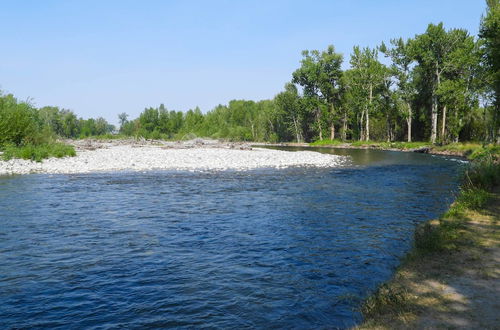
{"x": 38, "y": 152}
{"x": 387, "y": 299}
{"x": 473, "y": 198}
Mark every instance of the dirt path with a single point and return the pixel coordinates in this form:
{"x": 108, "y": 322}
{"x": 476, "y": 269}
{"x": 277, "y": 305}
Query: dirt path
{"x": 457, "y": 289}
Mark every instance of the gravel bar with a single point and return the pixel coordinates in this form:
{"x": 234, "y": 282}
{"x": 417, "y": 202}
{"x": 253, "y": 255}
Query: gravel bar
{"x": 118, "y": 157}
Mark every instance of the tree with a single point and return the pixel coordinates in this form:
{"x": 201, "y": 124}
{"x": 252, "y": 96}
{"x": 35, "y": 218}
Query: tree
{"x": 490, "y": 37}
{"x": 366, "y": 75}
{"x": 457, "y": 89}
{"x": 288, "y": 104}
{"x": 329, "y": 83}
{"x": 122, "y": 117}
{"x": 435, "y": 52}
{"x": 70, "y": 126}
{"x": 319, "y": 75}
{"x": 402, "y": 60}
{"x": 149, "y": 119}
{"x": 17, "y": 122}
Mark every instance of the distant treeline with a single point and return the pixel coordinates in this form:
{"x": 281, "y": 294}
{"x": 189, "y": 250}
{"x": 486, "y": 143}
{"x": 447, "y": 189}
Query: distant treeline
{"x": 23, "y": 124}
{"x": 440, "y": 86}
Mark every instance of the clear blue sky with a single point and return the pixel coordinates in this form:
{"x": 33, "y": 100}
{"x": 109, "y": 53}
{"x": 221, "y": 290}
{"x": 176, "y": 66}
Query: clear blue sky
{"x": 101, "y": 58}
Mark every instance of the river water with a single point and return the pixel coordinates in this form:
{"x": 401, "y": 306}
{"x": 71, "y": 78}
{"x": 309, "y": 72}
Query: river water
{"x": 289, "y": 248}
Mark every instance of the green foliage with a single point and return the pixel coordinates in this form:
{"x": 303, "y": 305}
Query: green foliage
{"x": 485, "y": 152}
{"x": 484, "y": 173}
{"x": 38, "y": 152}
{"x": 363, "y": 143}
{"x": 490, "y": 47}
{"x": 28, "y": 133}
{"x": 320, "y": 76}
{"x": 17, "y": 121}
{"x": 474, "y": 198}
{"x": 326, "y": 143}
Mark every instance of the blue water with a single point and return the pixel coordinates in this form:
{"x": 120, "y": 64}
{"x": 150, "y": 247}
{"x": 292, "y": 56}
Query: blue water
{"x": 293, "y": 248}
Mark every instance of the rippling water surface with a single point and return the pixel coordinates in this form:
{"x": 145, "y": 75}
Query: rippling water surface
{"x": 293, "y": 248}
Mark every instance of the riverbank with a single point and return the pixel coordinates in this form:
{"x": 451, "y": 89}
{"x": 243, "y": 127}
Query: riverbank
{"x": 451, "y": 278}
{"x": 142, "y": 155}
{"x": 463, "y": 150}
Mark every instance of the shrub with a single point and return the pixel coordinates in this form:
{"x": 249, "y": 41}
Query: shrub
{"x": 38, "y": 152}
{"x": 17, "y": 122}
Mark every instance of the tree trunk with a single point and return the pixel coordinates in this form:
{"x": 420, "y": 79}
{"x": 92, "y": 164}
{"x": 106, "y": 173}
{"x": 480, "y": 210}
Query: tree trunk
{"x": 296, "y": 129}
{"x": 318, "y": 118}
{"x": 443, "y": 125}
{"x": 434, "y": 110}
{"x": 344, "y": 127}
{"x": 434, "y": 115}
{"x": 332, "y": 124}
{"x": 361, "y": 126}
{"x": 367, "y": 137}
{"x": 388, "y": 127}
{"x": 408, "y": 122}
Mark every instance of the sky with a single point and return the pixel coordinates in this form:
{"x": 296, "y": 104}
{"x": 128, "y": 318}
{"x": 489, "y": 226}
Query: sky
{"x": 102, "y": 58}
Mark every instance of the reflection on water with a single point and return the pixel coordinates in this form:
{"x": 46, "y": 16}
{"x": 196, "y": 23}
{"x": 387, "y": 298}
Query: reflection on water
{"x": 294, "y": 248}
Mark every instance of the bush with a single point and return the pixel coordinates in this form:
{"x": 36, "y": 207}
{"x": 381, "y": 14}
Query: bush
{"x": 17, "y": 122}
{"x": 473, "y": 198}
{"x": 483, "y": 173}
{"x": 38, "y": 152}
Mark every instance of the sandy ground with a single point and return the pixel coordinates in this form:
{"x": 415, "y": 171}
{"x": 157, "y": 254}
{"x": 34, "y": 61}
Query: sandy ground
{"x": 195, "y": 155}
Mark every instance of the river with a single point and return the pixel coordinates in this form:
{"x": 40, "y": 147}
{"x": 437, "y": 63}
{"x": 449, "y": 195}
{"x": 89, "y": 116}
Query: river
{"x": 268, "y": 248}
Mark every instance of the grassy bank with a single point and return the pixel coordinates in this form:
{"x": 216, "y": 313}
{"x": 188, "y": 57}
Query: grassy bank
{"x": 468, "y": 149}
{"x": 446, "y": 280}
{"x": 38, "y": 152}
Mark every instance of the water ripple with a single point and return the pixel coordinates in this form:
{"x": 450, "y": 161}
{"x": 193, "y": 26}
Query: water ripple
{"x": 294, "y": 248}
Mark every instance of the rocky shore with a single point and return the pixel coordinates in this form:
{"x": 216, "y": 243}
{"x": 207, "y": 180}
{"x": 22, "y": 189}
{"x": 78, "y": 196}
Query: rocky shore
{"x": 194, "y": 155}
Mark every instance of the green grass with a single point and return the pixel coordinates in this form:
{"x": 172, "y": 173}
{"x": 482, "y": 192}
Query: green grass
{"x": 326, "y": 143}
{"x": 471, "y": 150}
{"x": 361, "y": 143}
{"x": 38, "y": 152}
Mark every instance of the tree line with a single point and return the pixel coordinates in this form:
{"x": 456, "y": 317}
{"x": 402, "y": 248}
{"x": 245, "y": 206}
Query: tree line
{"x": 23, "y": 124}
{"x": 442, "y": 86}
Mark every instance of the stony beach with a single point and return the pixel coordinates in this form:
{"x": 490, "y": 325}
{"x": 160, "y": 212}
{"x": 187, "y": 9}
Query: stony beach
{"x": 194, "y": 155}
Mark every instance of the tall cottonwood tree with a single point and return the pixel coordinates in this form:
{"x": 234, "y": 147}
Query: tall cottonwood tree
{"x": 402, "y": 70}
{"x": 490, "y": 43}
{"x": 436, "y": 51}
{"x": 289, "y": 106}
{"x": 457, "y": 90}
{"x": 330, "y": 82}
{"x": 319, "y": 75}
{"x": 366, "y": 75}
